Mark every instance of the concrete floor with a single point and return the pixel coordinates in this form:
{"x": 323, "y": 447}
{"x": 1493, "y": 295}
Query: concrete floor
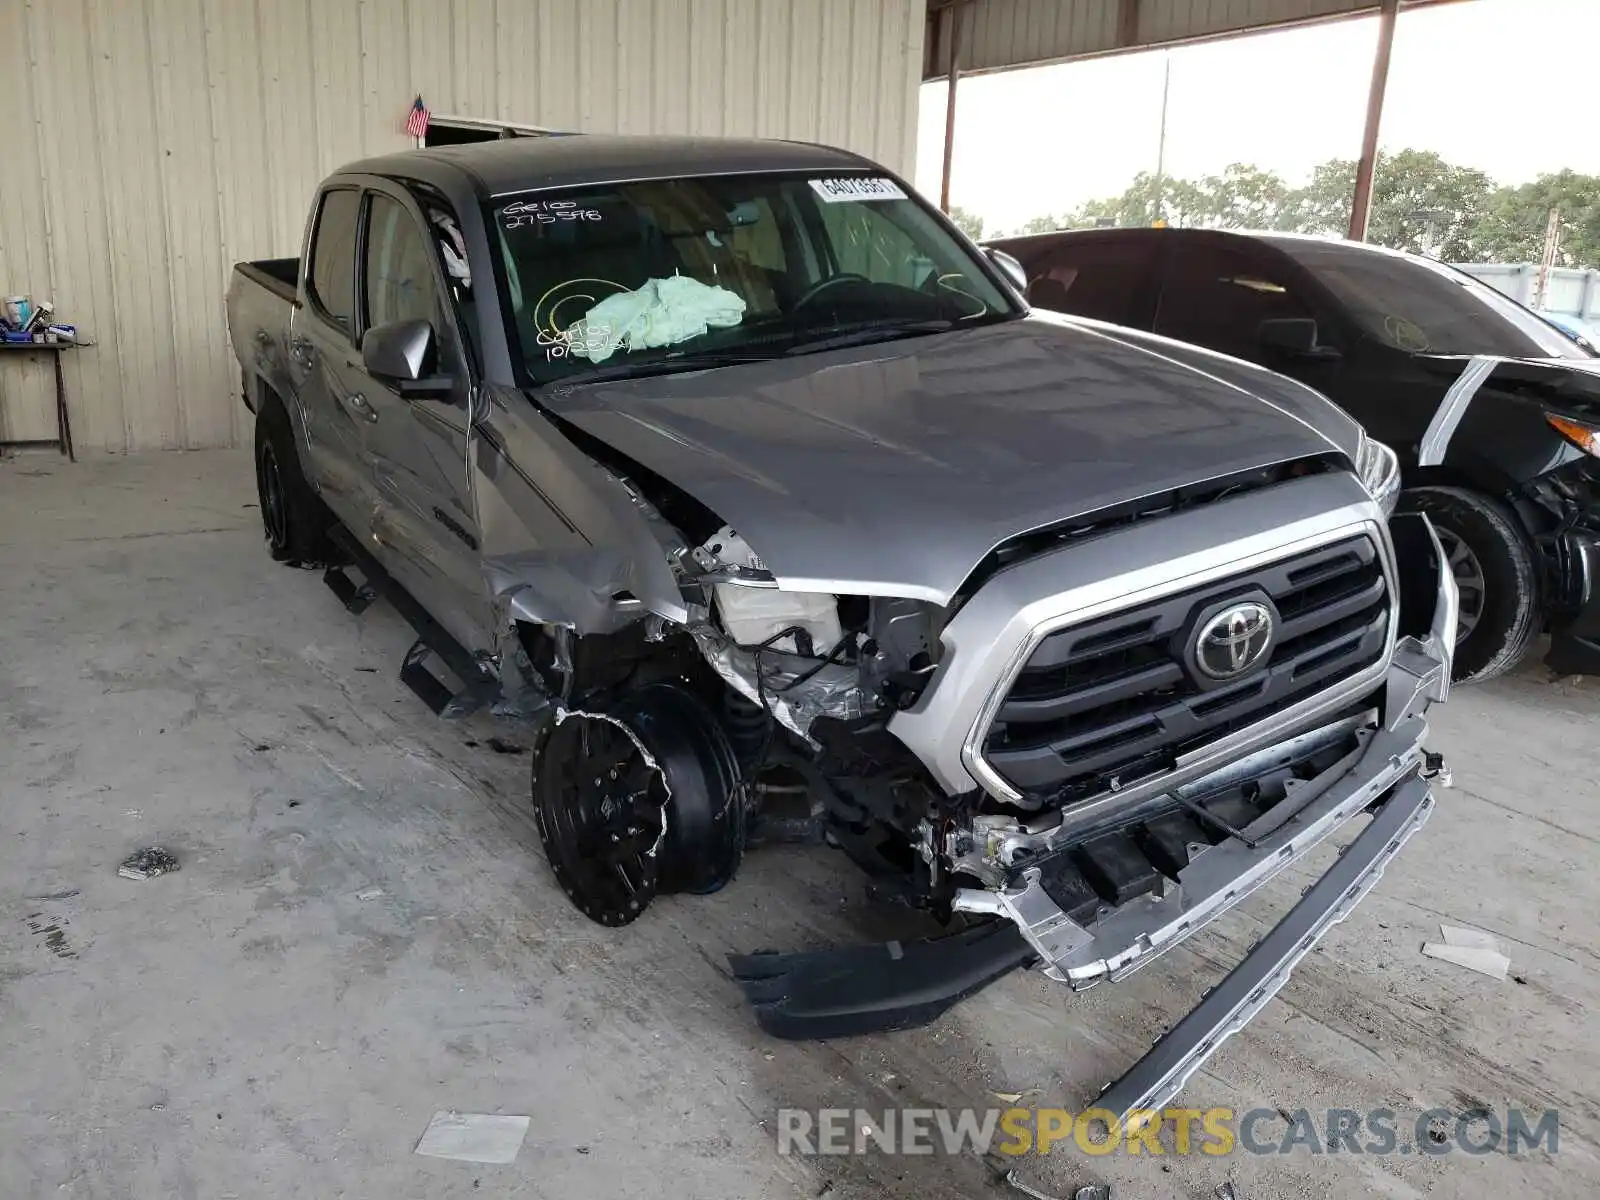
{"x": 251, "y": 1027}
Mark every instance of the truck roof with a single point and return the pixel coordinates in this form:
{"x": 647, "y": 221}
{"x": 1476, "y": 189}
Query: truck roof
{"x": 510, "y": 165}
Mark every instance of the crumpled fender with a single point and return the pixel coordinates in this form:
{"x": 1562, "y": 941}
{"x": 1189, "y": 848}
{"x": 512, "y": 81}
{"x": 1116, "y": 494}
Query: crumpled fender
{"x": 564, "y": 541}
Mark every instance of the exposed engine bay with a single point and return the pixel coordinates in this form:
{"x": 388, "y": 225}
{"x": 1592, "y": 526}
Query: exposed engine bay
{"x": 766, "y": 685}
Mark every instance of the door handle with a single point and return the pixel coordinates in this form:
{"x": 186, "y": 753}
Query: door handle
{"x": 358, "y": 404}
{"x": 302, "y": 350}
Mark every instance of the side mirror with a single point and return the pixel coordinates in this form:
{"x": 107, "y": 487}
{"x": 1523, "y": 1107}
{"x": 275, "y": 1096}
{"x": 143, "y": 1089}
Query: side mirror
{"x": 1295, "y": 336}
{"x": 404, "y": 353}
{"x": 1009, "y": 267}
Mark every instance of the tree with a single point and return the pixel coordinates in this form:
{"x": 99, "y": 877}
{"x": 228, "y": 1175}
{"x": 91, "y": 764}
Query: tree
{"x": 1044, "y": 224}
{"x": 1145, "y": 201}
{"x": 1513, "y": 225}
{"x": 1242, "y": 197}
{"x": 1323, "y": 204}
{"x": 1420, "y": 203}
{"x": 970, "y": 224}
{"x": 1424, "y": 204}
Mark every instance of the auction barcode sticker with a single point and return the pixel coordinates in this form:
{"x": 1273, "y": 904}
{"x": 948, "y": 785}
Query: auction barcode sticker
{"x": 857, "y": 187}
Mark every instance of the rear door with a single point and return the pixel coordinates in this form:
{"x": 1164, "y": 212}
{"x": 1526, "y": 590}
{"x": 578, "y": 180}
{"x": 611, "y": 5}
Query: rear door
{"x": 1109, "y": 278}
{"x": 324, "y": 365}
{"x": 424, "y": 526}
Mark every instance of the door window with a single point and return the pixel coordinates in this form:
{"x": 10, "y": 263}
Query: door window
{"x": 1424, "y": 307}
{"x": 1101, "y": 279}
{"x": 332, "y": 281}
{"x": 399, "y": 272}
{"x": 1217, "y": 297}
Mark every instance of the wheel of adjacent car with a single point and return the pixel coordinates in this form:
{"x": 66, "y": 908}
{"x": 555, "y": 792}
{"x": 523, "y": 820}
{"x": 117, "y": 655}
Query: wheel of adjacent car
{"x": 1493, "y": 566}
{"x": 293, "y": 516}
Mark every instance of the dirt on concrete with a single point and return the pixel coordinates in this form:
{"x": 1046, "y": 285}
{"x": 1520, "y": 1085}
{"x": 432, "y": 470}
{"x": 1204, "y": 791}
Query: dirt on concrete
{"x": 364, "y": 930}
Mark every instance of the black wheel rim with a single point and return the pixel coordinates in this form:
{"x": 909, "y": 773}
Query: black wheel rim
{"x": 599, "y": 804}
{"x": 274, "y": 507}
{"x": 1470, "y": 581}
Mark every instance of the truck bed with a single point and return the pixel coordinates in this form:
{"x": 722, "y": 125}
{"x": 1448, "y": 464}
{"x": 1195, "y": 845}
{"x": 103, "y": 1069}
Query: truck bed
{"x": 261, "y": 307}
{"x": 279, "y": 275}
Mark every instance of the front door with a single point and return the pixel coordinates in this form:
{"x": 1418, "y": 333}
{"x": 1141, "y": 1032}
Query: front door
{"x": 424, "y": 526}
{"x": 1107, "y": 277}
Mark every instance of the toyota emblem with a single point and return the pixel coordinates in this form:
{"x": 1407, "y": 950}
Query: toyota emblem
{"x": 1234, "y": 641}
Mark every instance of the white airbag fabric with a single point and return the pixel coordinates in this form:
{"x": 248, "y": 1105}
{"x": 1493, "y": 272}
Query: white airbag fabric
{"x": 661, "y": 313}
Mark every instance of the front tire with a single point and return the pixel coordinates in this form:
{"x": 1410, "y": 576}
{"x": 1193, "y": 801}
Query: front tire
{"x": 1492, "y": 561}
{"x": 293, "y": 517}
{"x": 640, "y": 796}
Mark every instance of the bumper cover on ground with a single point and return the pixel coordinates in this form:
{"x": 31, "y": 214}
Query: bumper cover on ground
{"x": 874, "y": 989}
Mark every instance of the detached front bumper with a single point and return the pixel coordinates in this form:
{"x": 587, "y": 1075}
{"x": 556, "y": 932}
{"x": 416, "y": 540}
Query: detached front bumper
{"x": 1388, "y": 773}
{"x": 1227, "y": 1008}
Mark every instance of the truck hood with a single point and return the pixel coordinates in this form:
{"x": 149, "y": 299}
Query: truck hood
{"x": 892, "y": 469}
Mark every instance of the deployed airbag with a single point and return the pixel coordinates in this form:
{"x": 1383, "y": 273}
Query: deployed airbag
{"x": 663, "y": 312}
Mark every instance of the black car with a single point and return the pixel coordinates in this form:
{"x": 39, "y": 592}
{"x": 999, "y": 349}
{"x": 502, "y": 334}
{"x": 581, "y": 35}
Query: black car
{"x": 1494, "y": 413}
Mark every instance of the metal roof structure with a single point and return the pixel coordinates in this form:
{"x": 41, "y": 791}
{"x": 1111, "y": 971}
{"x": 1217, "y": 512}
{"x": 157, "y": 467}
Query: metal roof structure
{"x": 999, "y": 35}
{"x": 966, "y": 37}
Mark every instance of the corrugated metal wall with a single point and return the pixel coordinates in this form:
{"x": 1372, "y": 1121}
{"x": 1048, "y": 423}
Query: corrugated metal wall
{"x": 998, "y": 34}
{"x": 151, "y": 143}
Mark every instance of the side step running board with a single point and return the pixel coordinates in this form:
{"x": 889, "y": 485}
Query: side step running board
{"x": 875, "y": 989}
{"x": 477, "y": 689}
{"x": 355, "y": 599}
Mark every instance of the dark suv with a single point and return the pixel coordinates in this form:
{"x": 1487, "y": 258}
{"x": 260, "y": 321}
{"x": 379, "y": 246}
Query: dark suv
{"x": 1494, "y": 413}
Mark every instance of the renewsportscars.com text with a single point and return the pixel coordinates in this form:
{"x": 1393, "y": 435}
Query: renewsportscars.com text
{"x": 1177, "y": 1131}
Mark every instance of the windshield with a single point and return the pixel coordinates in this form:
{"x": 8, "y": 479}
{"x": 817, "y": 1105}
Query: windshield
{"x": 1424, "y": 307}
{"x": 636, "y": 278}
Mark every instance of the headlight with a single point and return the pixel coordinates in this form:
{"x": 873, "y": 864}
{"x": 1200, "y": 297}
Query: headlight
{"x": 1379, "y": 470}
{"x": 1584, "y": 437}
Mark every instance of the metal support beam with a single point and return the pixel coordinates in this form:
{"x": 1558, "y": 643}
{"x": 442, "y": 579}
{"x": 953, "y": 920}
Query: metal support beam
{"x": 1361, "y": 203}
{"x": 1127, "y": 24}
{"x": 953, "y": 38}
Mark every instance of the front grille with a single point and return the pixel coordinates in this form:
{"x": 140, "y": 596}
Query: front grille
{"x": 1103, "y": 704}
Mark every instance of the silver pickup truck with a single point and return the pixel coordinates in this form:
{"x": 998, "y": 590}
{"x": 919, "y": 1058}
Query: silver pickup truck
{"x": 735, "y": 470}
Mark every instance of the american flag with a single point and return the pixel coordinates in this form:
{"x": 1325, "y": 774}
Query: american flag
{"x": 417, "y": 118}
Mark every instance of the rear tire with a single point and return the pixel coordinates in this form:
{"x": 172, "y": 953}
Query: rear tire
{"x": 1493, "y": 564}
{"x": 293, "y": 516}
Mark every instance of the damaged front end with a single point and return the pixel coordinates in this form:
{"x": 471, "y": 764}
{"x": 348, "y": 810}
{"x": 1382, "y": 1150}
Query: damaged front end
{"x": 1094, "y": 900}
{"x": 990, "y": 760}
{"x": 660, "y": 661}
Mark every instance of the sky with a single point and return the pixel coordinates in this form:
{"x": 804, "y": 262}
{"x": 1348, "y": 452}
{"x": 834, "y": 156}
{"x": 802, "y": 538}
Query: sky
{"x": 1502, "y": 85}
